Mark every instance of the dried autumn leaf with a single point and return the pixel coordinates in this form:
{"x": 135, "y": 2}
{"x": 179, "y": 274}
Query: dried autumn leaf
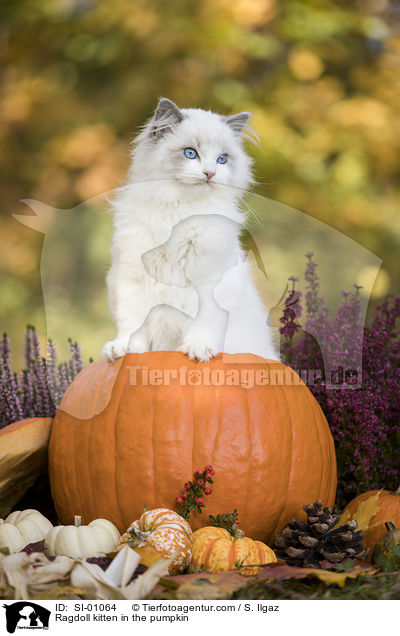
{"x": 365, "y": 512}
{"x": 206, "y": 585}
{"x": 201, "y": 589}
{"x": 105, "y": 585}
{"x": 148, "y": 554}
{"x": 112, "y": 584}
{"x": 343, "y": 566}
{"x": 34, "y": 571}
{"x": 6, "y": 592}
{"x": 33, "y": 574}
{"x": 142, "y": 586}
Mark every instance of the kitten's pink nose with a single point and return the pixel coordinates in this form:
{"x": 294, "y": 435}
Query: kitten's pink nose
{"x": 209, "y": 175}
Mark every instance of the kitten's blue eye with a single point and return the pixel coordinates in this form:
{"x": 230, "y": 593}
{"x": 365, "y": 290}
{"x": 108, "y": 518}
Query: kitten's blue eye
{"x": 222, "y": 159}
{"x": 190, "y": 153}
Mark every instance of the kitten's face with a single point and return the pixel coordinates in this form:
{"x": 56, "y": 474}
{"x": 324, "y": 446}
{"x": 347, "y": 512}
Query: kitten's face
{"x": 196, "y": 149}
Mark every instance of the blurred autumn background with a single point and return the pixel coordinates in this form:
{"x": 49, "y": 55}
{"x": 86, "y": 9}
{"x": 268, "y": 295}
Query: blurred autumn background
{"x": 321, "y": 79}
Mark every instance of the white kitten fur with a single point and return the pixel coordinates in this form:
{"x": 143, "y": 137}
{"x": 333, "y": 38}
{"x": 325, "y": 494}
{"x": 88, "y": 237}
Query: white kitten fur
{"x": 192, "y": 291}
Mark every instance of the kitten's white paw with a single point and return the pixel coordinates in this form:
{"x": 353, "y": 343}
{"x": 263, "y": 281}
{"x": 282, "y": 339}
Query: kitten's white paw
{"x": 117, "y": 348}
{"x": 137, "y": 344}
{"x": 114, "y": 349}
{"x": 198, "y": 348}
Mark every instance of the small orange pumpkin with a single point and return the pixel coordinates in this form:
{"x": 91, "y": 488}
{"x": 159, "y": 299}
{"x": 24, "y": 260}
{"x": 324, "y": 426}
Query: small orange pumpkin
{"x": 372, "y": 510}
{"x": 216, "y": 550}
{"x": 160, "y": 532}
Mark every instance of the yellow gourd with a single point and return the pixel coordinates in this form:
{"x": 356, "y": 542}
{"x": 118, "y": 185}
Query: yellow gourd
{"x": 216, "y": 550}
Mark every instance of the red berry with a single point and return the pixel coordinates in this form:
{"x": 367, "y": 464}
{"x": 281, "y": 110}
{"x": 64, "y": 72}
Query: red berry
{"x": 208, "y": 467}
{"x": 207, "y": 491}
{"x": 212, "y": 471}
{"x": 197, "y": 474}
{"x": 188, "y": 485}
{"x": 200, "y": 482}
{"x": 199, "y": 501}
{"x": 184, "y": 495}
{"x": 209, "y": 475}
{"x": 179, "y": 500}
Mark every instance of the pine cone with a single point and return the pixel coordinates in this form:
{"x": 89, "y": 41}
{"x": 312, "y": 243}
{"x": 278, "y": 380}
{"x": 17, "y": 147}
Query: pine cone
{"x": 305, "y": 544}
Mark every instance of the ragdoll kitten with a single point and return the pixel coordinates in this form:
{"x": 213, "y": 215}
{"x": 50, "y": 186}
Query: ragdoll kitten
{"x": 179, "y": 279}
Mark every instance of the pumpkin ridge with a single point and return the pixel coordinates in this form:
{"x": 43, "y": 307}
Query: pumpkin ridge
{"x": 118, "y": 388}
{"x": 329, "y": 449}
{"x": 113, "y": 439}
{"x": 176, "y": 526}
{"x": 322, "y": 478}
{"x": 152, "y": 462}
{"x": 249, "y": 454}
{"x": 62, "y": 492}
{"x": 232, "y": 556}
{"x": 89, "y": 427}
{"x": 328, "y": 476}
{"x": 333, "y": 477}
{"x": 184, "y": 446}
{"x": 252, "y": 551}
{"x": 282, "y": 513}
{"x": 157, "y": 451}
{"x": 163, "y": 427}
{"x": 262, "y": 552}
{"x": 115, "y": 473}
{"x": 208, "y": 550}
{"x": 291, "y": 470}
{"x": 213, "y": 450}
{"x": 76, "y": 472}
{"x": 196, "y": 417}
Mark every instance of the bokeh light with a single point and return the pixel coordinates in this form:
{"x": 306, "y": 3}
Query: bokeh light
{"x": 79, "y": 76}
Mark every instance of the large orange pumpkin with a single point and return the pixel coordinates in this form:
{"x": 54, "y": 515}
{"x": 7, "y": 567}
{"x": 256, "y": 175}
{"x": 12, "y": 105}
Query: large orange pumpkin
{"x": 130, "y": 433}
{"x": 371, "y": 510}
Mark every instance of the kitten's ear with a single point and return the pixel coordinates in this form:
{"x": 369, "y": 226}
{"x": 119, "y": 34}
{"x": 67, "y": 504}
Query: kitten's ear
{"x": 166, "y": 114}
{"x": 238, "y": 122}
{"x": 167, "y": 107}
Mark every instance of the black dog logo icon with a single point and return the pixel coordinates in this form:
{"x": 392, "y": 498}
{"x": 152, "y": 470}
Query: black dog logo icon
{"x": 25, "y": 615}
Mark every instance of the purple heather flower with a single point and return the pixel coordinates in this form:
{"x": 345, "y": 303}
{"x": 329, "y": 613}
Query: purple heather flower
{"x": 38, "y": 389}
{"x": 365, "y": 422}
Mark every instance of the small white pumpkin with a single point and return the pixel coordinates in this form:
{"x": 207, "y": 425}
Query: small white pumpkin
{"x": 22, "y": 527}
{"x": 79, "y": 542}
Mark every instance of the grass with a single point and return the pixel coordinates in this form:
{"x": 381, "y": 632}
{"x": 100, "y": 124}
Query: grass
{"x": 382, "y": 587}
